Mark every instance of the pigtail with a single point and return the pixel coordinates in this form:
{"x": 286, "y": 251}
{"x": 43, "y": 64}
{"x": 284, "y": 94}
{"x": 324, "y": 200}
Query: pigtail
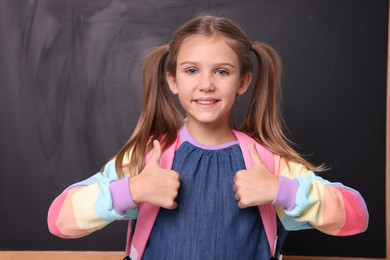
{"x": 159, "y": 120}
{"x": 262, "y": 115}
{"x": 263, "y": 119}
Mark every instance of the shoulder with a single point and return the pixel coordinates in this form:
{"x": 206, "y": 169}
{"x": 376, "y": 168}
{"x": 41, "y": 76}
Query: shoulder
{"x": 266, "y": 155}
{"x": 243, "y": 137}
{"x": 246, "y": 140}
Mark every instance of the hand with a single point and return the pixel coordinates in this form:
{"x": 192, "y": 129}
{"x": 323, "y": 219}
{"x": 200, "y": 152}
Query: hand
{"x": 154, "y": 184}
{"x": 256, "y": 186}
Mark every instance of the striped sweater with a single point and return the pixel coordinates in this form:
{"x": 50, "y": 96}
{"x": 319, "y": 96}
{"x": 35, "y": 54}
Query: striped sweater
{"x": 304, "y": 201}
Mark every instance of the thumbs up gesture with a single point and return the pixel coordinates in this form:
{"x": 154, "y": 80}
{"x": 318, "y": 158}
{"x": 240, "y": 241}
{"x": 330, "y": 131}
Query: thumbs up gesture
{"x": 154, "y": 184}
{"x": 256, "y": 186}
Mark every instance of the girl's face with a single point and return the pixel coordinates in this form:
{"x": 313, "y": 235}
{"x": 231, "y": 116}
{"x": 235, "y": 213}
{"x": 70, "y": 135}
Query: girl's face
{"x": 207, "y": 80}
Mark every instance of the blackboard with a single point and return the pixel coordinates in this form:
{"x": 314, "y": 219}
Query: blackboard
{"x": 70, "y": 97}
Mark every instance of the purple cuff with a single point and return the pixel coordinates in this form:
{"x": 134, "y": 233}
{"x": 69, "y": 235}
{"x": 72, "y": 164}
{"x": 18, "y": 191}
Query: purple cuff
{"x": 121, "y": 197}
{"x": 287, "y": 193}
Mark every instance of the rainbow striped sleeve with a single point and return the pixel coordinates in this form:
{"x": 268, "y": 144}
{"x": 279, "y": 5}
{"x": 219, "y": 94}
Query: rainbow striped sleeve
{"x": 305, "y": 200}
{"x": 91, "y": 204}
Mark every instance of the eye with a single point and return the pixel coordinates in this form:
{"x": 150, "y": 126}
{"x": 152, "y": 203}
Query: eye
{"x": 222, "y": 72}
{"x": 191, "y": 71}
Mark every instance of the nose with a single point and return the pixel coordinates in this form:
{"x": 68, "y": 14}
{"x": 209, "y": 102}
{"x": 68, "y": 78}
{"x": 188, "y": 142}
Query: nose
{"x": 206, "y": 83}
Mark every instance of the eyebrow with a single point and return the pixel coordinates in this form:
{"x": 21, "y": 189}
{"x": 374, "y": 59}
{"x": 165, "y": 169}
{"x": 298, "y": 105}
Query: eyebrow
{"x": 197, "y": 64}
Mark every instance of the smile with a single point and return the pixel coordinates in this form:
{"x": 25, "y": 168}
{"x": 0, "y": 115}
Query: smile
{"x": 206, "y": 102}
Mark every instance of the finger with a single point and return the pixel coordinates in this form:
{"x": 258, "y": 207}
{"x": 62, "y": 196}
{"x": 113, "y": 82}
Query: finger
{"x": 156, "y": 152}
{"x": 237, "y": 197}
{"x": 256, "y": 160}
{"x": 174, "y": 205}
{"x": 234, "y": 182}
{"x": 170, "y": 205}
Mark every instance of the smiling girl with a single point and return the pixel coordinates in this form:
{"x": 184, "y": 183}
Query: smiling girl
{"x": 197, "y": 188}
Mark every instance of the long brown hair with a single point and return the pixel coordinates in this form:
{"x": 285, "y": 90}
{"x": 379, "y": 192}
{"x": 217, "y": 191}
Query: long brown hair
{"x": 160, "y": 119}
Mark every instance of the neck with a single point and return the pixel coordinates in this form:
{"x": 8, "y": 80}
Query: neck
{"x": 210, "y": 134}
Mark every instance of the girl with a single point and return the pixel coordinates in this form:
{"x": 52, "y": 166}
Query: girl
{"x": 198, "y": 189}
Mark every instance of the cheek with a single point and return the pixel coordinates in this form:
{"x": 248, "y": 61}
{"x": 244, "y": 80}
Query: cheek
{"x": 233, "y": 87}
{"x": 184, "y": 101}
{"x": 185, "y": 86}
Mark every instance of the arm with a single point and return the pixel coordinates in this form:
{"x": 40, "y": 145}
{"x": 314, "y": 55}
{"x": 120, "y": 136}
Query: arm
{"x": 92, "y": 204}
{"x": 305, "y": 200}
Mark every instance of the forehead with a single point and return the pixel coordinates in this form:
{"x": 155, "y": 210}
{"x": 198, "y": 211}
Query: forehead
{"x": 200, "y": 47}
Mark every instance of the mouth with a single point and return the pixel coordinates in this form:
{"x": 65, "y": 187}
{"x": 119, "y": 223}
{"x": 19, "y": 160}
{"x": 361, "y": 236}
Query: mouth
{"x": 206, "y": 101}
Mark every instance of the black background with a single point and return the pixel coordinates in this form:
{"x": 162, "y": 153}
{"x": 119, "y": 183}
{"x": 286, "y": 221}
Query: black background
{"x": 70, "y": 95}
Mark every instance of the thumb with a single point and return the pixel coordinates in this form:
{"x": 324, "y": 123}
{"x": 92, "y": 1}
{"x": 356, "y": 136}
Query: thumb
{"x": 156, "y": 152}
{"x": 256, "y": 160}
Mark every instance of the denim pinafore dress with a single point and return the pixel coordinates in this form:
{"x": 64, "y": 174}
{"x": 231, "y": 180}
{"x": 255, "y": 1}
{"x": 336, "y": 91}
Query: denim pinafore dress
{"x": 207, "y": 223}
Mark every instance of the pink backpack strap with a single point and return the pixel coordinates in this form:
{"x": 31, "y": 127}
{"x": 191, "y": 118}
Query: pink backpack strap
{"x": 129, "y": 237}
{"x": 267, "y": 212}
{"x": 147, "y": 213}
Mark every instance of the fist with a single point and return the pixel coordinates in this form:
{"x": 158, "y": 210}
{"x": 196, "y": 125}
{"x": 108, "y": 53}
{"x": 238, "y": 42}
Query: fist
{"x": 256, "y": 186}
{"x": 154, "y": 184}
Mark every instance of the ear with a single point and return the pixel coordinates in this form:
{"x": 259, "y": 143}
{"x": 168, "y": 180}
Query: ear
{"x": 172, "y": 83}
{"x": 244, "y": 83}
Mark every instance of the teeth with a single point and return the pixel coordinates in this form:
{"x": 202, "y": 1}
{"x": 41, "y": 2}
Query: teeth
{"x": 206, "y": 102}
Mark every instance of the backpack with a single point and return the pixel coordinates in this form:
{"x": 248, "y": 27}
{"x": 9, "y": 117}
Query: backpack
{"x": 276, "y": 234}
